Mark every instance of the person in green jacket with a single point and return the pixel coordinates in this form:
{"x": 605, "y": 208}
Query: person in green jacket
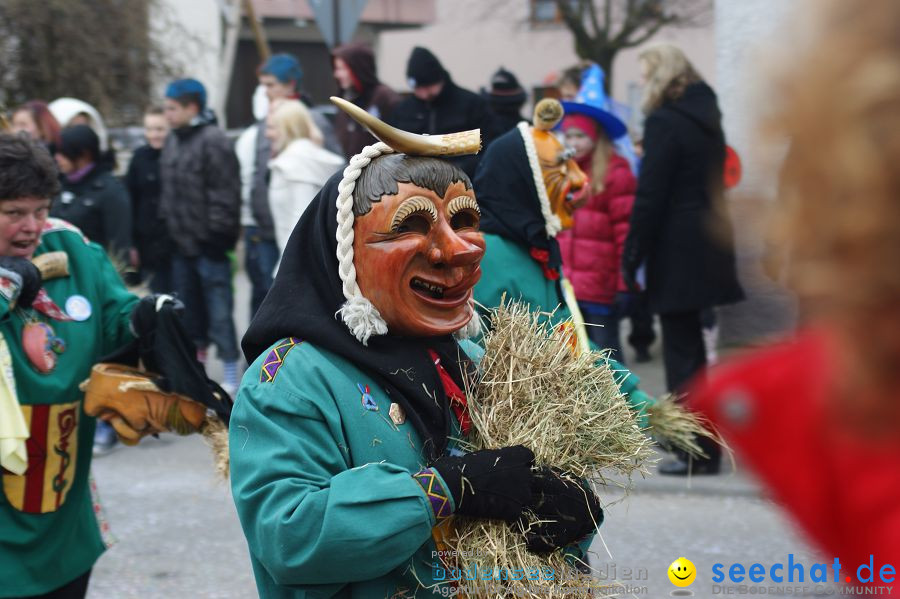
{"x": 520, "y": 219}
{"x": 52, "y": 333}
{"x": 344, "y": 439}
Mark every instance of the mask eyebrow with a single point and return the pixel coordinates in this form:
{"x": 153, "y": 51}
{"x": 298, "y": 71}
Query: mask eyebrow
{"x": 462, "y": 203}
{"x": 413, "y": 205}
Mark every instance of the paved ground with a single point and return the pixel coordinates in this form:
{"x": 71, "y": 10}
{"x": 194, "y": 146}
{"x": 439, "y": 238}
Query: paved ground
{"x": 179, "y": 536}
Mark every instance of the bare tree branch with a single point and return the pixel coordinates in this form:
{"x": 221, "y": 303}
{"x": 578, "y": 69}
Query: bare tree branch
{"x": 592, "y": 11}
{"x": 626, "y": 24}
{"x": 650, "y": 32}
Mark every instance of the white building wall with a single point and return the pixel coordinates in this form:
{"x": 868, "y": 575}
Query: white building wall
{"x": 191, "y": 35}
{"x": 753, "y": 41}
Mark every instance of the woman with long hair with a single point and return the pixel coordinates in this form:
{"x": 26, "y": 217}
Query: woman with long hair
{"x": 678, "y": 227}
{"x": 300, "y": 165}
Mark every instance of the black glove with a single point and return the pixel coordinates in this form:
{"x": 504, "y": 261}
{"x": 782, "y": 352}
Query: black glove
{"x": 217, "y": 246}
{"x": 492, "y": 483}
{"x": 568, "y": 509}
{"x": 30, "y": 275}
{"x": 143, "y": 316}
{"x": 631, "y": 262}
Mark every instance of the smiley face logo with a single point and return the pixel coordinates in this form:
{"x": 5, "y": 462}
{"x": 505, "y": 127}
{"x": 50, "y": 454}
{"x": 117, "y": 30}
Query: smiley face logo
{"x": 682, "y": 572}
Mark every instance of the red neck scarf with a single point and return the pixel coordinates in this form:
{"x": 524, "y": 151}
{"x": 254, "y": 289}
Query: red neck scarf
{"x": 454, "y": 394}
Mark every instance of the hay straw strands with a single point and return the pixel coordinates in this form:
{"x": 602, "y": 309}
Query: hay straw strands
{"x": 215, "y": 434}
{"x": 674, "y": 426}
{"x": 536, "y": 390}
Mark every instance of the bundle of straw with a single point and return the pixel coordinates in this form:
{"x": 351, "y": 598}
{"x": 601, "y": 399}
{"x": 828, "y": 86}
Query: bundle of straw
{"x": 536, "y": 390}
{"x": 675, "y": 427}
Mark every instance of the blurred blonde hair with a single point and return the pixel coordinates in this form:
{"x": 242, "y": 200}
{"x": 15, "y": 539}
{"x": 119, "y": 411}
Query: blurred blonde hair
{"x": 603, "y": 150}
{"x": 838, "y": 216}
{"x": 292, "y": 120}
{"x": 668, "y": 73}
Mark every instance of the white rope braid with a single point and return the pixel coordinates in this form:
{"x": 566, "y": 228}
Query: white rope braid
{"x": 358, "y": 313}
{"x": 472, "y": 328}
{"x": 552, "y": 223}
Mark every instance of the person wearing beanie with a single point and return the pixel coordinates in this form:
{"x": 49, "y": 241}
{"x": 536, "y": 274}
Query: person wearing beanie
{"x": 437, "y": 105}
{"x": 280, "y": 76}
{"x": 92, "y": 198}
{"x": 505, "y": 100}
{"x": 357, "y": 78}
{"x": 200, "y": 201}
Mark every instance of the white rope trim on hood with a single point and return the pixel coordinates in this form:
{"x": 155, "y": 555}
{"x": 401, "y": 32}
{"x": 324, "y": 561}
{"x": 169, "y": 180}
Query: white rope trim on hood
{"x": 552, "y": 223}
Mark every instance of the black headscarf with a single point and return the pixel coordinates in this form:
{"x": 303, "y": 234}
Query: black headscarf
{"x": 303, "y": 301}
{"x": 510, "y": 208}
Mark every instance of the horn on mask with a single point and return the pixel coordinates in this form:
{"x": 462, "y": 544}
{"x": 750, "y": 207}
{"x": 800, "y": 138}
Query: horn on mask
{"x": 449, "y": 144}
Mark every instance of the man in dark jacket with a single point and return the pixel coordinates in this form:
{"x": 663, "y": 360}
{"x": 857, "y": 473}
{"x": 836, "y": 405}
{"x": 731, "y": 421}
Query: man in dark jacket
{"x": 201, "y": 204}
{"x": 505, "y": 100}
{"x": 356, "y": 76}
{"x": 152, "y": 246}
{"x": 438, "y": 105}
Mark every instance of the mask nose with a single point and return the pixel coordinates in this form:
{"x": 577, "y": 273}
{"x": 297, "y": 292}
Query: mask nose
{"x": 450, "y": 249}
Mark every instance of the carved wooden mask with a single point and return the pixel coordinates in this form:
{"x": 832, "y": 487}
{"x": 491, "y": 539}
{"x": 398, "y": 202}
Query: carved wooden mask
{"x": 417, "y": 257}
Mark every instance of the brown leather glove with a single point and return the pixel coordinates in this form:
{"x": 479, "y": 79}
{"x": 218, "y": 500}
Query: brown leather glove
{"x": 129, "y": 400}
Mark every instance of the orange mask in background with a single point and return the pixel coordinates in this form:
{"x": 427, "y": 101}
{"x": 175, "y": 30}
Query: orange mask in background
{"x": 563, "y": 178}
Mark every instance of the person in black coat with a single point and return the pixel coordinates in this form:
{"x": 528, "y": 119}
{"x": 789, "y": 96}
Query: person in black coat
{"x": 152, "y": 245}
{"x": 438, "y": 105}
{"x": 92, "y": 198}
{"x": 678, "y": 225}
{"x": 505, "y": 100}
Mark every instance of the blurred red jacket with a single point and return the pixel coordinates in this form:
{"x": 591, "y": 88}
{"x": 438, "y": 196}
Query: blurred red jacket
{"x": 843, "y": 490}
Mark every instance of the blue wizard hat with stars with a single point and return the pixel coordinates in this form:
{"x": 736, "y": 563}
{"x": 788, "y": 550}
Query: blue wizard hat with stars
{"x": 592, "y": 102}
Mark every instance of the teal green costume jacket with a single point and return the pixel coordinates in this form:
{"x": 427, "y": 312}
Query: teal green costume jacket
{"x": 508, "y": 269}
{"x": 322, "y": 480}
{"x": 49, "y": 533}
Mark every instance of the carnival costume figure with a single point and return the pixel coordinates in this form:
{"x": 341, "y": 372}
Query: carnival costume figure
{"x": 63, "y": 307}
{"x": 345, "y": 436}
{"x": 528, "y": 186}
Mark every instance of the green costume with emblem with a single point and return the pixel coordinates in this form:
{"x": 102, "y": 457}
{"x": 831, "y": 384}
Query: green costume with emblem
{"x": 327, "y": 481}
{"x": 49, "y": 533}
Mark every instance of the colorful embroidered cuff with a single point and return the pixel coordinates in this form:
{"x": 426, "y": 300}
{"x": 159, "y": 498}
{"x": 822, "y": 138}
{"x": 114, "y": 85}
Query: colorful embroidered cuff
{"x": 440, "y": 499}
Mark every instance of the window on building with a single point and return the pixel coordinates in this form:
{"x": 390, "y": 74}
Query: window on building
{"x": 546, "y": 12}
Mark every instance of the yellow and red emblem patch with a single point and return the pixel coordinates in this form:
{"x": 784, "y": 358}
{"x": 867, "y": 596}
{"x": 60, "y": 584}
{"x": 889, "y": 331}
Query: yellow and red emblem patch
{"x": 52, "y": 454}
